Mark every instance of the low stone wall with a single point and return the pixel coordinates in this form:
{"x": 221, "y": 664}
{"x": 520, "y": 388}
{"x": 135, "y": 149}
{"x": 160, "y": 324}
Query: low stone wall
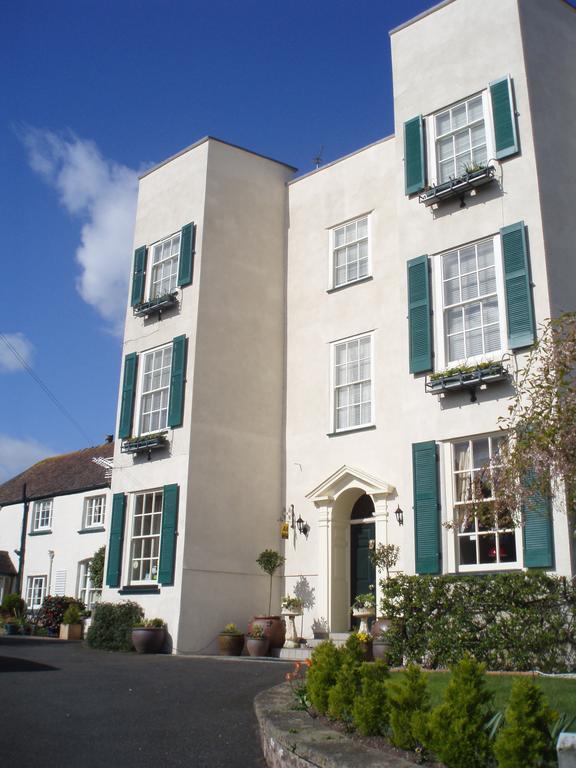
{"x": 292, "y": 739}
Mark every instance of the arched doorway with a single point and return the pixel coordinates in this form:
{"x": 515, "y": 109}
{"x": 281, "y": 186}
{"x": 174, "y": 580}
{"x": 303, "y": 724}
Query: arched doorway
{"x": 362, "y": 542}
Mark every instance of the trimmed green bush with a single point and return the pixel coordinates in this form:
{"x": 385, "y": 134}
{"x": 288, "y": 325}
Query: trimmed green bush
{"x": 342, "y": 695}
{"x": 408, "y": 702}
{"x": 524, "y": 740}
{"x": 322, "y": 673}
{"x": 112, "y": 623}
{"x": 13, "y": 604}
{"x": 509, "y": 621}
{"x": 456, "y": 731}
{"x": 370, "y": 711}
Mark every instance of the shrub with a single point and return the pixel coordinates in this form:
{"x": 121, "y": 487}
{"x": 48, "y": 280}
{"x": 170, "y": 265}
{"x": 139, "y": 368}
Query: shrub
{"x": 53, "y": 608}
{"x": 326, "y": 661}
{"x": 96, "y": 568}
{"x": 13, "y": 604}
{"x": 370, "y": 711}
{"x": 524, "y": 740}
{"x": 509, "y": 621}
{"x": 72, "y": 615}
{"x": 457, "y": 729}
{"x": 342, "y": 695}
{"x": 408, "y": 702}
{"x": 111, "y": 627}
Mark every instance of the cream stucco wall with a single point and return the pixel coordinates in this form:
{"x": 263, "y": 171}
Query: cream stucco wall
{"x": 442, "y": 58}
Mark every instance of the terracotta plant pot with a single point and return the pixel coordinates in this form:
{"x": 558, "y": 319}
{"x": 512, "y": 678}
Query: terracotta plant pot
{"x": 257, "y": 646}
{"x": 274, "y": 628}
{"x": 70, "y": 631}
{"x": 381, "y": 650}
{"x": 230, "y": 645}
{"x": 148, "y": 639}
{"x": 380, "y": 626}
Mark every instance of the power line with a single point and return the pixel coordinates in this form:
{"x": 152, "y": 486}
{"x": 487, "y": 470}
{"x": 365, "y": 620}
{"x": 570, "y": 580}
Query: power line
{"x": 45, "y": 389}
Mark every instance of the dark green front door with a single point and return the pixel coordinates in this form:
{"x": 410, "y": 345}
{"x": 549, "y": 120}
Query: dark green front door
{"x": 362, "y": 569}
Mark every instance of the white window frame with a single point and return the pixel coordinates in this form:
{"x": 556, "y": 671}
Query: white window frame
{"x": 449, "y": 474}
{"x": 431, "y": 132}
{"x": 35, "y": 588}
{"x": 153, "y": 580}
{"x": 39, "y": 521}
{"x": 85, "y": 590}
{"x": 441, "y": 351}
{"x": 89, "y": 517}
{"x": 333, "y": 421}
{"x": 140, "y": 393}
{"x": 150, "y": 266}
{"x": 332, "y": 248}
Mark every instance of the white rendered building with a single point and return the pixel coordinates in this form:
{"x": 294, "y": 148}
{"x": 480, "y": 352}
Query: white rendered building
{"x": 53, "y": 518}
{"x": 281, "y": 334}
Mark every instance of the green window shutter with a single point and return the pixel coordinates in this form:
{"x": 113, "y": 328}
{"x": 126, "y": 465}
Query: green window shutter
{"x": 128, "y": 392}
{"x": 139, "y": 275}
{"x": 537, "y": 532}
{"x": 186, "y": 263}
{"x": 426, "y": 509}
{"x": 505, "y": 134}
{"x": 177, "y": 382}
{"x": 414, "y": 155}
{"x": 168, "y": 540}
{"x": 116, "y": 541}
{"x": 419, "y": 315}
{"x": 519, "y": 303}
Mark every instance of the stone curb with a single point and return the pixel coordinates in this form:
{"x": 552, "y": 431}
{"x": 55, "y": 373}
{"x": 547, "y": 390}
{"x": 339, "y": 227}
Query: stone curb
{"x": 292, "y": 739}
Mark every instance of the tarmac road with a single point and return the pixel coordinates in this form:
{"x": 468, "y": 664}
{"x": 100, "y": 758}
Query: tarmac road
{"x": 66, "y": 706}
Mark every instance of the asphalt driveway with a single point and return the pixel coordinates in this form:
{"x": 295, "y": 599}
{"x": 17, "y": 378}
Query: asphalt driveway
{"x": 71, "y": 707}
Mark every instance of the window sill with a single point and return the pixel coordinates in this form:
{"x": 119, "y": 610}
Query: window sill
{"x": 457, "y": 187}
{"x": 39, "y": 533}
{"x": 95, "y": 529}
{"x": 338, "y": 288}
{"x": 155, "y": 306}
{"x": 352, "y": 430}
{"x": 485, "y": 569}
{"x": 138, "y": 589}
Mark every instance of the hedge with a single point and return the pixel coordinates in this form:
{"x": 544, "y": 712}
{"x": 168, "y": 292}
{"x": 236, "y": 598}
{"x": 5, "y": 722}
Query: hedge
{"x": 509, "y": 621}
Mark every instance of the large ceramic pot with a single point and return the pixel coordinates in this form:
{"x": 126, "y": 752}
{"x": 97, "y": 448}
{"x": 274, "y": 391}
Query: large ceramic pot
{"x": 274, "y": 629}
{"x": 381, "y": 626}
{"x": 257, "y": 646}
{"x": 148, "y": 639}
{"x": 10, "y": 629}
{"x": 381, "y": 650}
{"x": 230, "y": 645}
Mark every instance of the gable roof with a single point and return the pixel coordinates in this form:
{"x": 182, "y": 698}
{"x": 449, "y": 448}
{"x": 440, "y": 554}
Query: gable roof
{"x": 59, "y": 475}
{"x": 349, "y": 477}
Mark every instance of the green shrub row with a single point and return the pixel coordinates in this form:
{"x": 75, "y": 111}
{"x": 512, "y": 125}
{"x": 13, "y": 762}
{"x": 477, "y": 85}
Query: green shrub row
{"x": 513, "y": 621}
{"x": 112, "y": 623}
{"x": 463, "y": 731}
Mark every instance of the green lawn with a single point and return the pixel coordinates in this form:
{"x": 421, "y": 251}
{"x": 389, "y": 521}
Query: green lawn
{"x": 560, "y": 692}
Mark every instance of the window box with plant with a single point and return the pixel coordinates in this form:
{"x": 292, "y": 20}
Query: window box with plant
{"x": 156, "y": 305}
{"x": 474, "y": 176}
{"x": 145, "y": 443}
{"x": 469, "y": 377}
{"x": 149, "y": 635}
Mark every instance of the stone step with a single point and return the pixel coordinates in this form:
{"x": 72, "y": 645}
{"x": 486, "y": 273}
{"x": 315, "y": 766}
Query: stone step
{"x": 291, "y": 654}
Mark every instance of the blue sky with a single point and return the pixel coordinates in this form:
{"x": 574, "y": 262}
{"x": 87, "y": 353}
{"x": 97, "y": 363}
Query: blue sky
{"x": 98, "y": 90}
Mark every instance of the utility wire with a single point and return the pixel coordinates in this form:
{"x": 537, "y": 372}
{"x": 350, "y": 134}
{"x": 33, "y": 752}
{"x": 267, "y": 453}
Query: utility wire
{"x": 46, "y": 390}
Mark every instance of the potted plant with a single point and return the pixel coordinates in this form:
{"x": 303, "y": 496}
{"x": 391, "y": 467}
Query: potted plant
{"x": 257, "y": 642}
{"x": 149, "y": 635}
{"x": 320, "y": 629}
{"x": 384, "y": 557}
{"x": 362, "y": 608}
{"x": 365, "y": 645}
{"x": 230, "y": 641}
{"x": 380, "y": 645}
{"x": 11, "y": 625}
{"x": 274, "y": 628}
{"x": 71, "y": 627}
{"x": 291, "y": 607}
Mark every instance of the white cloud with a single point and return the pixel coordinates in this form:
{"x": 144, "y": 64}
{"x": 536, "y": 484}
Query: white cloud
{"x": 103, "y": 194}
{"x": 8, "y": 360}
{"x": 17, "y": 455}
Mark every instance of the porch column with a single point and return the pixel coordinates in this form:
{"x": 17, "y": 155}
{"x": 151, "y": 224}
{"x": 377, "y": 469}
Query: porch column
{"x": 323, "y": 593}
{"x": 383, "y": 523}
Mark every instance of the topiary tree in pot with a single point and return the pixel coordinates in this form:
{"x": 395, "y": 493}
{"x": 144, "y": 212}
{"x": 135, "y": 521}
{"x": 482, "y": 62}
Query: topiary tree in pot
{"x": 274, "y": 628}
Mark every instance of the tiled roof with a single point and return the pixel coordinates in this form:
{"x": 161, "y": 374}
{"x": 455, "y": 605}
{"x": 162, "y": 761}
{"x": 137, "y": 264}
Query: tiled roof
{"x": 6, "y": 564}
{"x": 58, "y": 475}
